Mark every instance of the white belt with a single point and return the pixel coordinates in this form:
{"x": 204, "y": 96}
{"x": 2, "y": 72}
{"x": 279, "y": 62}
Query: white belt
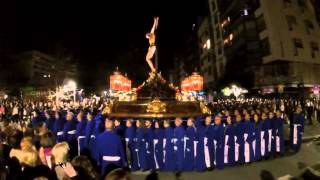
{"x": 111, "y": 158}
{"x": 81, "y": 137}
{"x": 59, "y": 133}
{"x": 72, "y": 132}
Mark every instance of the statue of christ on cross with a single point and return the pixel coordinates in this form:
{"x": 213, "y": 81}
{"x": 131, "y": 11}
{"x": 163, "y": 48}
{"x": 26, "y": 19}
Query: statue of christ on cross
{"x": 152, "y": 47}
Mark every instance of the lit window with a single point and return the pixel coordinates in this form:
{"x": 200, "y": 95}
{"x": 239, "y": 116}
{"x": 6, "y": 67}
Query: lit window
{"x": 208, "y": 44}
{"x": 245, "y": 12}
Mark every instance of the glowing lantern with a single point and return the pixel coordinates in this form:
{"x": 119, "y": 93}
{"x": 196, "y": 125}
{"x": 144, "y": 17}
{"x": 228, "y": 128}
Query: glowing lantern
{"x": 186, "y": 84}
{"x": 116, "y": 81}
{"x": 196, "y": 81}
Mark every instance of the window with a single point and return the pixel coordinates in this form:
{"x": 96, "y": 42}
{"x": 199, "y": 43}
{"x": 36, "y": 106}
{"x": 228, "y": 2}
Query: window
{"x": 265, "y": 47}
{"x": 209, "y": 59}
{"x": 209, "y": 71}
{"x": 309, "y": 26}
{"x": 291, "y": 20}
{"x": 314, "y": 49}
{"x": 297, "y": 44}
{"x": 261, "y": 24}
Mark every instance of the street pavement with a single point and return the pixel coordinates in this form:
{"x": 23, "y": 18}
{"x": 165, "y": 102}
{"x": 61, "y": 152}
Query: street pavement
{"x": 292, "y": 164}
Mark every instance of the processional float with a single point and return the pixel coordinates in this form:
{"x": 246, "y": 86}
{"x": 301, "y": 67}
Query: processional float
{"x": 155, "y": 97}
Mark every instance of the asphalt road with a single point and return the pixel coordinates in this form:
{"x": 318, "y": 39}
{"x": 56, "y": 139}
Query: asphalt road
{"x": 291, "y": 164}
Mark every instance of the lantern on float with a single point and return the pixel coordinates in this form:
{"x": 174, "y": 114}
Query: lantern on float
{"x": 186, "y": 84}
{"x": 196, "y": 82}
{"x": 116, "y": 81}
{"x": 126, "y": 84}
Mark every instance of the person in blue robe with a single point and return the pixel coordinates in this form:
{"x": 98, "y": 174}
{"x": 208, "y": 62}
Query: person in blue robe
{"x": 279, "y": 135}
{"x": 249, "y": 137}
{"x": 140, "y": 146}
{"x": 119, "y": 128}
{"x": 49, "y": 120}
{"x": 158, "y": 145}
{"x": 131, "y": 156}
{"x": 109, "y": 148}
{"x": 257, "y": 141}
{"x": 81, "y": 132}
{"x": 69, "y": 133}
{"x": 189, "y": 159}
{"x": 58, "y": 126}
{"x": 296, "y": 130}
{"x": 99, "y": 121}
{"x": 179, "y": 144}
{"x": 229, "y": 143}
{"x": 218, "y": 142}
{"x": 90, "y": 137}
{"x": 265, "y": 137}
{"x": 149, "y": 136}
{"x": 273, "y": 127}
{"x": 37, "y": 119}
{"x": 200, "y": 164}
{"x": 168, "y": 153}
{"x": 208, "y": 143}
{"x": 239, "y": 140}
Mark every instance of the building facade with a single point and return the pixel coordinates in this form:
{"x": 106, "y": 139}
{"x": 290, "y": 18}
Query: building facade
{"x": 37, "y": 69}
{"x": 264, "y": 43}
{"x": 212, "y": 58}
{"x": 290, "y": 38}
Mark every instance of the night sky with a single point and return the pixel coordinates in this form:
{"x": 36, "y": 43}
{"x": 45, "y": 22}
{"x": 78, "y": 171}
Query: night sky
{"x": 100, "y": 36}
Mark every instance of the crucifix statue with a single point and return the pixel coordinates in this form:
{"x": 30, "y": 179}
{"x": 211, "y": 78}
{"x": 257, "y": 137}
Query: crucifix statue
{"x": 152, "y": 46}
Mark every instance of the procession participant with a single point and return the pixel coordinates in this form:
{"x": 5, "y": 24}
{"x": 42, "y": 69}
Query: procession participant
{"x": 81, "y": 131}
{"x": 49, "y": 120}
{"x": 158, "y": 144}
{"x": 129, "y": 135}
{"x": 270, "y": 130}
{"x": 200, "y": 164}
{"x": 218, "y": 142}
{"x": 37, "y": 119}
{"x": 239, "y": 140}
{"x": 229, "y": 143}
{"x": 265, "y": 136}
{"x": 58, "y": 126}
{"x": 179, "y": 144}
{"x": 119, "y": 128}
{"x": 168, "y": 146}
{"x": 249, "y": 136}
{"x": 296, "y": 130}
{"x": 190, "y": 146}
{"x": 90, "y": 138}
{"x": 69, "y": 132}
{"x": 258, "y": 138}
{"x": 140, "y": 146}
{"x": 109, "y": 148}
{"x": 278, "y": 145}
{"x": 208, "y": 143}
{"x": 149, "y": 136}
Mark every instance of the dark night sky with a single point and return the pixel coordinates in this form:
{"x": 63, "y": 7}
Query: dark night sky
{"x": 98, "y": 34}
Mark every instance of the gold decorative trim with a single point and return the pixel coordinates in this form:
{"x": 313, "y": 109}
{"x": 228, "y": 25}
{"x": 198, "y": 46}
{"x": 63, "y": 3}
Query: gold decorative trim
{"x": 156, "y": 106}
{"x": 204, "y": 109}
{"x": 107, "y": 109}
